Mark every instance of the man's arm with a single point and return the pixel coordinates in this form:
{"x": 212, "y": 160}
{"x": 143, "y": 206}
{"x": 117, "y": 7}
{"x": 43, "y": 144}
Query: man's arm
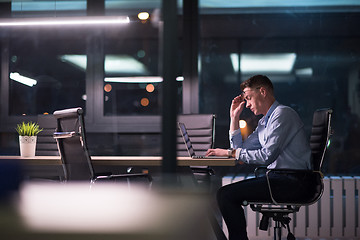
{"x": 236, "y": 108}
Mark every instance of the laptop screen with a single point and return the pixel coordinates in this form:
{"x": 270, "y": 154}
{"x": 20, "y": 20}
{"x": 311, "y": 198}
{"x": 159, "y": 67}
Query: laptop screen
{"x": 186, "y": 139}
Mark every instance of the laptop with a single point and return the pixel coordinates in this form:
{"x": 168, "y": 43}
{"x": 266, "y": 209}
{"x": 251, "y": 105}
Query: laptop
{"x": 188, "y": 144}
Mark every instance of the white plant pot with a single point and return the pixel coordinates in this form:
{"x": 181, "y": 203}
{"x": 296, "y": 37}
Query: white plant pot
{"x": 27, "y": 146}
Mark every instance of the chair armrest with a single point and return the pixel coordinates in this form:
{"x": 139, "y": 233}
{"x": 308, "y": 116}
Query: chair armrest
{"x": 122, "y": 176}
{"x": 290, "y": 172}
{"x": 257, "y": 170}
{"x": 64, "y": 134}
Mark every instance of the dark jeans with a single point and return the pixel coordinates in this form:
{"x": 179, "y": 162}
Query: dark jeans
{"x": 230, "y": 198}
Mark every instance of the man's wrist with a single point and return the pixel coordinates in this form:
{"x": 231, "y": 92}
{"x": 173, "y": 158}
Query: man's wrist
{"x": 231, "y": 152}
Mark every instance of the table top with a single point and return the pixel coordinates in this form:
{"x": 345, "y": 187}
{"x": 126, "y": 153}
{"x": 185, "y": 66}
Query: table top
{"x": 127, "y": 160}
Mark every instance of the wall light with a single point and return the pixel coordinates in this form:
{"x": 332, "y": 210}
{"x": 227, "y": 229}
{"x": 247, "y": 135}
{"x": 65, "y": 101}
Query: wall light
{"x": 107, "y": 88}
{"x": 143, "y": 16}
{"x": 242, "y": 123}
{"x": 22, "y": 79}
{"x": 150, "y": 88}
{"x": 144, "y": 102}
{"x": 69, "y": 21}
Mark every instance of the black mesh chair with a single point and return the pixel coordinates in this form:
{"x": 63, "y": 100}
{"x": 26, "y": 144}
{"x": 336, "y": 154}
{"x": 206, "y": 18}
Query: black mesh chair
{"x": 278, "y": 209}
{"x": 71, "y": 140}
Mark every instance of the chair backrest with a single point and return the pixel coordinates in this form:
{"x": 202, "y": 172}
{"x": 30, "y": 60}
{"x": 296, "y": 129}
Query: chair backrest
{"x": 201, "y": 130}
{"x": 320, "y": 134}
{"x": 46, "y": 144}
{"x": 71, "y": 139}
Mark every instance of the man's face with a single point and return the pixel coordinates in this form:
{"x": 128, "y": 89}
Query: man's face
{"x": 254, "y": 100}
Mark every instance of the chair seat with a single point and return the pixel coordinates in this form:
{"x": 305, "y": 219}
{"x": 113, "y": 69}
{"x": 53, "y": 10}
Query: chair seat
{"x": 268, "y": 208}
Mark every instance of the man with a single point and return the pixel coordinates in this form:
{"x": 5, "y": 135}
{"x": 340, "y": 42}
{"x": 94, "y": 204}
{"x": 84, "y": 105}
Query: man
{"x": 279, "y": 141}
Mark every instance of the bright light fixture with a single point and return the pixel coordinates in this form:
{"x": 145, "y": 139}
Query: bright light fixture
{"x": 235, "y": 61}
{"x": 118, "y": 65}
{"x": 78, "y": 61}
{"x": 143, "y": 15}
{"x": 267, "y": 63}
{"x": 141, "y": 79}
{"x": 103, "y": 20}
{"x": 114, "y": 64}
{"x": 242, "y": 123}
{"x": 304, "y": 72}
{"x": 22, "y": 79}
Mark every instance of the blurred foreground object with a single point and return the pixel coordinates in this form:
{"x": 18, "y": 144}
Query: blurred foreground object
{"x": 109, "y": 211}
{"x": 10, "y": 178}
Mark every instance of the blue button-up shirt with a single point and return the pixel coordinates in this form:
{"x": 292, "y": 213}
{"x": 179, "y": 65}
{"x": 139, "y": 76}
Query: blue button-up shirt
{"x": 279, "y": 141}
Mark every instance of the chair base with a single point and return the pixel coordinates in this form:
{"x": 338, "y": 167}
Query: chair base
{"x": 282, "y": 220}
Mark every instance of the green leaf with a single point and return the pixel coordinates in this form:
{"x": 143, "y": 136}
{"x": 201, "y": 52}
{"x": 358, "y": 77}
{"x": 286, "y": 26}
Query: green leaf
{"x": 28, "y": 129}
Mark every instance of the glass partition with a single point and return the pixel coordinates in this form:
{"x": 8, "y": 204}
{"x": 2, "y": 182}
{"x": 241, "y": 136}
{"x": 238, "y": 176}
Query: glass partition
{"x": 309, "y": 49}
{"x": 311, "y": 54}
{"x": 43, "y": 72}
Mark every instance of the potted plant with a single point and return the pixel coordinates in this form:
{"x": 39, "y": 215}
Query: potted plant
{"x": 27, "y": 138}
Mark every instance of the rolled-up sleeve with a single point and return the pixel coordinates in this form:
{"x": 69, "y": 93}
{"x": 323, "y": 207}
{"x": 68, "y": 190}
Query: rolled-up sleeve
{"x": 235, "y": 139}
{"x": 250, "y": 143}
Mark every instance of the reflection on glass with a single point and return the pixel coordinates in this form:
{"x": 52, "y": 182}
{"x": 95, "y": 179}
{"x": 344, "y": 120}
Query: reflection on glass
{"x": 267, "y": 63}
{"x": 310, "y": 65}
{"x": 39, "y": 59}
{"x": 22, "y": 79}
{"x": 132, "y": 68}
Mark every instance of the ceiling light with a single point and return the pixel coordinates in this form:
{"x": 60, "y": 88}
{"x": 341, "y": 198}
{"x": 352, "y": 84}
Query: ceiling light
{"x": 22, "y": 79}
{"x": 103, "y": 20}
{"x": 141, "y": 79}
{"x": 267, "y": 63}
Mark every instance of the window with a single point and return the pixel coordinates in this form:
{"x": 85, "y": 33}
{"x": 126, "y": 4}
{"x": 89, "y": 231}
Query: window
{"x": 42, "y": 74}
{"x": 86, "y": 66}
{"x": 315, "y": 63}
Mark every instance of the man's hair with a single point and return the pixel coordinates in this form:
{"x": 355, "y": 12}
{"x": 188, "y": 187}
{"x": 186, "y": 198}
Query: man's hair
{"x": 258, "y": 81}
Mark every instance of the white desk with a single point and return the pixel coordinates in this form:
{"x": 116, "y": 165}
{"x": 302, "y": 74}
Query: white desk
{"x": 126, "y": 161}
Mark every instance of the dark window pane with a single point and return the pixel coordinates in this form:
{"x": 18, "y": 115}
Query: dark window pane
{"x": 312, "y": 58}
{"x": 58, "y": 65}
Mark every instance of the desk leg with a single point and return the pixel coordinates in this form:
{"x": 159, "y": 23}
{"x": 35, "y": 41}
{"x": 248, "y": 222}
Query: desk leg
{"x": 220, "y": 235}
{"x": 188, "y": 180}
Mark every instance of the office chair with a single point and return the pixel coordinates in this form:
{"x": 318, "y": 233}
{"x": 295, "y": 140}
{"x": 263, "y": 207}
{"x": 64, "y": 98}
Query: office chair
{"x": 279, "y": 210}
{"x": 46, "y": 144}
{"x": 201, "y": 130}
{"x": 71, "y": 140}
